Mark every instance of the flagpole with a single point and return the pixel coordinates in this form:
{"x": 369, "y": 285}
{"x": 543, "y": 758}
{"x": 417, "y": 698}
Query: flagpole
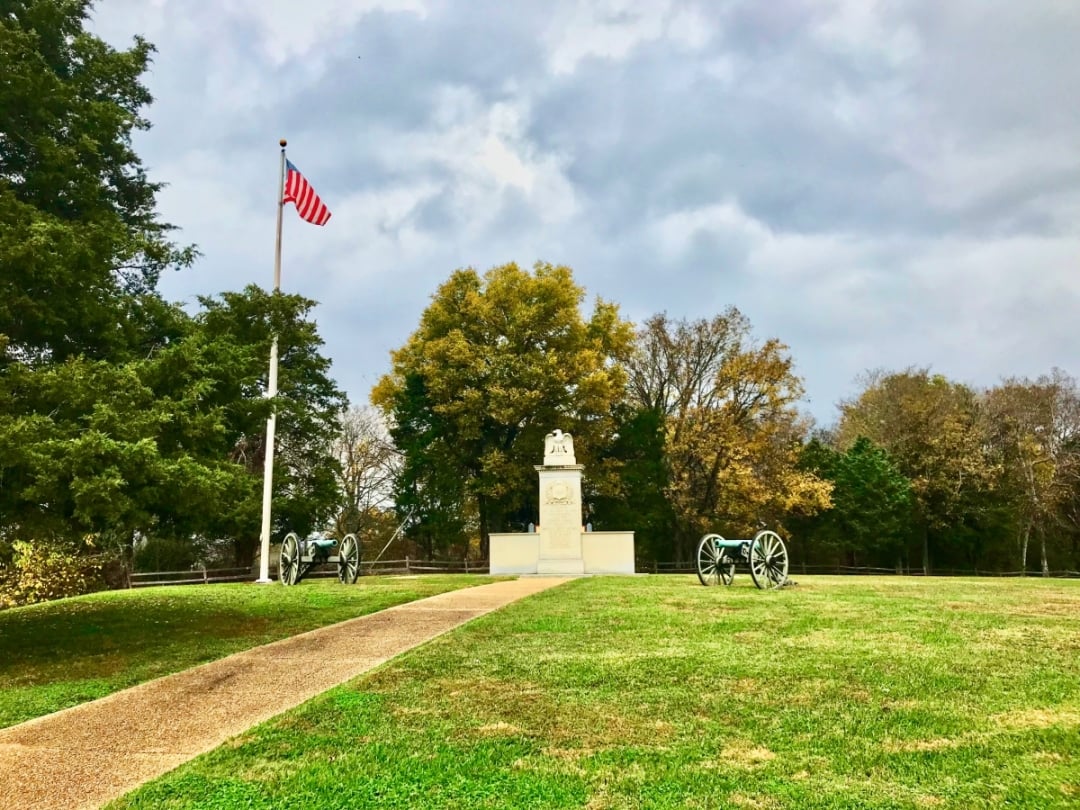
{"x": 271, "y": 392}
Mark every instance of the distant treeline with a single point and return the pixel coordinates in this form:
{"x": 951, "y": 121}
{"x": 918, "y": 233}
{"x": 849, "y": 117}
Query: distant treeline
{"x": 688, "y": 427}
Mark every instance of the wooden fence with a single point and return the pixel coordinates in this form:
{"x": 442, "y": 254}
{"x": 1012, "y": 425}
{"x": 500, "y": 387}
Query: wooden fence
{"x": 195, "y": 576}
{"x": 205, "y": 576}
{"x": 657, "y": 567}
{"x": 410, "y": 567}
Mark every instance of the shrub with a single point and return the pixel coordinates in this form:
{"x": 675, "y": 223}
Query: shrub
{"x": 37, "y": 573}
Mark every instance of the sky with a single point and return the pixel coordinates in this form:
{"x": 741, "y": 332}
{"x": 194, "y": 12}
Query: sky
{"x": 876, "y": 184}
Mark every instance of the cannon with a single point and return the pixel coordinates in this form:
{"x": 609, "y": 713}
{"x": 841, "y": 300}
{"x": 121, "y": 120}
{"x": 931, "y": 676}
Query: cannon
{"x": 765, "y": 555}
{"x": 297, "y": 556}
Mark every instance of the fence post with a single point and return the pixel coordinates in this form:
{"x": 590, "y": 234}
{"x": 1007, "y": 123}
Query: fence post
{"x": 406, "y": 563}
{"x": 466, "y": 565}
{"x": 204, "y": 578}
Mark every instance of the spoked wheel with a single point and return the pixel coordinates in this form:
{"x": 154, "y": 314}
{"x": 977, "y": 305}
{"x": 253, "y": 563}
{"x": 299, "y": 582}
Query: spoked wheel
{"x": 768, "y": 560}
{"x": 712, "y": 567}
{"x": 348, "y": 559}
{"x": 289, "y": 559}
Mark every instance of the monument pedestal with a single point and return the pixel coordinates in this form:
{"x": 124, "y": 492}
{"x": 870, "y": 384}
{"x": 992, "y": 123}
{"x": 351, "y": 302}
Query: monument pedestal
{"x": 560, "y": 525}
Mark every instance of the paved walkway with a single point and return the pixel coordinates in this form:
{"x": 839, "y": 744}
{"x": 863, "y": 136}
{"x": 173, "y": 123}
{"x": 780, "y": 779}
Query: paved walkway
{"x": 87, "y": 755}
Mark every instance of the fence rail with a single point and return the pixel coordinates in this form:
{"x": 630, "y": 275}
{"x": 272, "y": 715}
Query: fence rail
{"x": 409, "y": 566}
{"x": 658, "y": 567}
{"x": 205, "y": 576}
{"x": 197, "y": 576}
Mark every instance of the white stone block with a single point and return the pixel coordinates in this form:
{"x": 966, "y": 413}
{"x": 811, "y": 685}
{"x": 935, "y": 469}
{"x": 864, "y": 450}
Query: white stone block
{"x": 608, "y": 552}
{"x": 514, "y": 553}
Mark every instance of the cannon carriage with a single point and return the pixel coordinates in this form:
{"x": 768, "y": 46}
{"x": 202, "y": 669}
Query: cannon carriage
{"x": 298, "y": 556}
{"x": 765, "y": 555}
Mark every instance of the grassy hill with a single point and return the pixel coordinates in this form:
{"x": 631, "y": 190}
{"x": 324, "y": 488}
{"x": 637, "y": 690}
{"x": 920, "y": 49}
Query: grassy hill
{"x": 656, "y": 692}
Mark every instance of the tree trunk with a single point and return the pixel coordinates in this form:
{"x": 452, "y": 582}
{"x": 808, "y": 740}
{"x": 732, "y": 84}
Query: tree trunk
{"x": 685, "y": 548}
{"x": 1024, "y": 549}
{"x": 925, "y": 550}
{"x": 485, "y": 534}
{"x": 1042, "y": 554}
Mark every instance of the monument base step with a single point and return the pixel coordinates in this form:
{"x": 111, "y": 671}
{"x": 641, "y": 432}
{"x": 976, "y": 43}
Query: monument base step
{"x": 568, "y": 567}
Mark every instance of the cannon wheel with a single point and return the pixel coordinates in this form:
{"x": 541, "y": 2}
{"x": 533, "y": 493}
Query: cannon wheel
{"x": 348, "y": 559}
{"x": 768, "y": 560}
{"x": 289, "y": 559}
{"x": 711, "y": 570}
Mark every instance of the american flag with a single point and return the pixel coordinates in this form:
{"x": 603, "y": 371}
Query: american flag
{"x": 298, "y": 190}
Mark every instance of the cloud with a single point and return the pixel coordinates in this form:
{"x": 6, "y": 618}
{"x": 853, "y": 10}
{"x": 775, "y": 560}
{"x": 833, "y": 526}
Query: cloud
{"x": 876, "y": 184}
{"x": 612, "y": 29}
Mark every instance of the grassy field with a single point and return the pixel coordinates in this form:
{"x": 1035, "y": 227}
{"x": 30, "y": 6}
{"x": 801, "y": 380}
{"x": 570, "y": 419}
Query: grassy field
{"x": 62, "y": 653}
{"x": 656, "y": 692}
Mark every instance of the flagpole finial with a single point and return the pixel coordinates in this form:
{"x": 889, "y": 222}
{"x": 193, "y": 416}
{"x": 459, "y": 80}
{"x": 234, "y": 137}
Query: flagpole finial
{"x": 283, "y": 143}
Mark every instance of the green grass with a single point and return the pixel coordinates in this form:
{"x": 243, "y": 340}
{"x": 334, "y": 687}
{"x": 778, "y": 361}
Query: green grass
{"x": 656, "y": 692}
{"x": 62, "y": 653}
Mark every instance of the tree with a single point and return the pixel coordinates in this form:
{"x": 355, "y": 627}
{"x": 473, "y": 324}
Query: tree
{"x": 497, "y": 362}
{"x": 368, "y": 464}
{"x": 309, "y": 406}
{"x": 732, "y": 429}
{"x": 1035, "y": 429}
{"x": 172, "y": 444}
{"x": 430, "y": 494}
{"x": 81, "y": 249}
{"x": 97, "y": 448}
{"x": 871, "y": 501}
{"x": 636, "y": 495}
{"x": 933, "y": 430}
{"x": 81, "y": 246}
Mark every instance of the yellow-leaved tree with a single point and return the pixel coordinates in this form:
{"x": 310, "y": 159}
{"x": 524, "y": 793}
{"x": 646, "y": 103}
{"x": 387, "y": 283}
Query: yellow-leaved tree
{"x": 933, "y": 429}
{"x": 497, "y": 362}
{"x": 733, "y": 432}
{"x": 1034, "y": 434}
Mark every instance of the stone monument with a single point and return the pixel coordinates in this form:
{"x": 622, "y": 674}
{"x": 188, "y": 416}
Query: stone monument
{"x": 560, "y": 508}
{"x": 561, "y": 545}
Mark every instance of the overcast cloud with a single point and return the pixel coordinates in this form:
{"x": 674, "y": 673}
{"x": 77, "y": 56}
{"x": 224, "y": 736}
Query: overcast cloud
{"x": 877, "y": 184}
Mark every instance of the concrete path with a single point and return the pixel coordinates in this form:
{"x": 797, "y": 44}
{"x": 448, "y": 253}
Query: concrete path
{"x": 87, "y": 755}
